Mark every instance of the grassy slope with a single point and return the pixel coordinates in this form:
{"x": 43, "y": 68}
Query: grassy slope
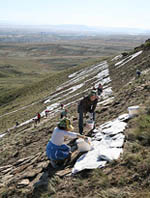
{"x": 15, "y": 99}
{"x": 25, "y": 69}
{"x": 127, "y": 177}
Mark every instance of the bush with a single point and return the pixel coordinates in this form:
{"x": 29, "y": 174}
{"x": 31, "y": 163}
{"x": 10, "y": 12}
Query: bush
{"x": 98, "y": 178}
{"x": 124, "y": 53}
{"x": 131, "y": 159}
{"x": 142, "y": 133}
{"x": 147, "y": 44}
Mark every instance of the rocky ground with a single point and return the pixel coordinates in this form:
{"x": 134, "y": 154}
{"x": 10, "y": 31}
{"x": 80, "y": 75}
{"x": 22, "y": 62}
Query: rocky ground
{"x": 26, "y": 172}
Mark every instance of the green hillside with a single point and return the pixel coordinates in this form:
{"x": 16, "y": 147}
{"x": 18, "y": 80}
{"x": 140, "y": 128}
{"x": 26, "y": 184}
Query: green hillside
{"x": 128, "y": 177}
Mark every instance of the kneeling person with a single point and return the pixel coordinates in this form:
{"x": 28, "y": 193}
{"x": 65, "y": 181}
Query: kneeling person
{"x": 57, "y": 151}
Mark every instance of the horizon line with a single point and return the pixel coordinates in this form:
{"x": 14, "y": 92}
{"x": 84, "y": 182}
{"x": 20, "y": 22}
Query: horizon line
{"x": 82, "y": 25}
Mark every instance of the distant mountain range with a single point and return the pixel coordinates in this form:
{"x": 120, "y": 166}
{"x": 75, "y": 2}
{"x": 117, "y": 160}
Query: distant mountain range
{"x": 77, "y": 29}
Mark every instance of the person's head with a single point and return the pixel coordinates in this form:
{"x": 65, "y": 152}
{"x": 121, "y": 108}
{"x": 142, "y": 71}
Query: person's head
{"x": 65, "y": 124}
{"x": 93, "y": 95}
{"x": 62, "y": 105}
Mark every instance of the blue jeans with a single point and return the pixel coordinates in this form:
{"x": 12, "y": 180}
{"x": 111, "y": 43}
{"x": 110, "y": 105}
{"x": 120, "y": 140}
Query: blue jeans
{"x": 55, "y": 152}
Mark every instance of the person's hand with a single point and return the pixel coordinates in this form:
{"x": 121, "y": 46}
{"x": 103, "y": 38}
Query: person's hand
{"x": 86, "y": 138}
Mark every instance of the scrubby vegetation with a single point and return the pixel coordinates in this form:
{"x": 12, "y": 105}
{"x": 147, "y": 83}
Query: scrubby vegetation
{"x": 128, "y": 177}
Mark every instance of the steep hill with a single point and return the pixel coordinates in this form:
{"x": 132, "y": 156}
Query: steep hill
{"x": 25, "y": 170}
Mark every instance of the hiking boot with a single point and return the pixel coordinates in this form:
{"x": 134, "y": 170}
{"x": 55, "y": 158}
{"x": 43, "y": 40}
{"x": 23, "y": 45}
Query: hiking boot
{"x": 60, "y": 163}
{"x": 68, "y": 159}
{"x": 57, "y": 163}
{"x": 54, "y": 164}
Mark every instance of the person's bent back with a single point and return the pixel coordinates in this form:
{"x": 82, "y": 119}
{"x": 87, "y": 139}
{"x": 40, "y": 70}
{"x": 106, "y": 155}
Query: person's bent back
{"x": 56, "y": 149}
{"x": 87, "y": 104}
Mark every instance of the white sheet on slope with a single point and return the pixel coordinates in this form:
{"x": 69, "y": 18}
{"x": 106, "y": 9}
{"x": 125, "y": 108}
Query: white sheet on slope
{"x": 96, "y": 158}
{"x": 107, "y": 149}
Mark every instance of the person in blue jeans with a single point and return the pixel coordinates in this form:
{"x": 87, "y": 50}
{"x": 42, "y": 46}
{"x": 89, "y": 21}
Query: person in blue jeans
{"x": 56, "y": 150}
{"x": 87, "y": 104}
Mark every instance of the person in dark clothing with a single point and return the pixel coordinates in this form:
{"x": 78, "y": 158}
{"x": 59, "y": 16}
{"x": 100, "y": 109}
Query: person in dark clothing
{"x": 17, "y": 124}
{"x": 63, "y": 112}
{"x": 38, "y": 117}
{"x": 87, "y": 104}
{"x": 46, "y": 112}
{"x": 99, "y": 89}
{"x": 138, "y": 73}
{"x": 94, "y": 88}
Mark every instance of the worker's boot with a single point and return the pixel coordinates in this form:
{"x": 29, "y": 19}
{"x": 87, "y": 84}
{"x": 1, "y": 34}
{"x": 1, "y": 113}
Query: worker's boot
{"x": 54, "y": 163}
{"x": 68, "y": 159}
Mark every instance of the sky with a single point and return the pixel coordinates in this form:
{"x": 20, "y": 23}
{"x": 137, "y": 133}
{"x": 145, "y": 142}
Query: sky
{"x": 102, "y": 13}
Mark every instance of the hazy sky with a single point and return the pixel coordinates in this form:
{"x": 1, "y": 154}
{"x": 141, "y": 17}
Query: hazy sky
{"x": 108, "y": 13}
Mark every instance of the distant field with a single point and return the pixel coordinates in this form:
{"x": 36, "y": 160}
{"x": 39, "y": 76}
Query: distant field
{"x": 30, "y": 71}
{"x": 24, "y": 63}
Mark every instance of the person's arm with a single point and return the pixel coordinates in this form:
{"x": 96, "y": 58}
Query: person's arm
{"x": 94, "y": 106}
{"x": 83, "y": 104}
{"x": 81, "y": 136}
{"x": 74, "y": 135}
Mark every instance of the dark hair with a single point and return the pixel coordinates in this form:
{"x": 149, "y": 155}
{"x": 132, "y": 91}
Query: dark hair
{"x": 60, "y": 127}
{"x": 93, "y": 93}
{"x": 65, "y": 124}
{"x": 62, "y": 124}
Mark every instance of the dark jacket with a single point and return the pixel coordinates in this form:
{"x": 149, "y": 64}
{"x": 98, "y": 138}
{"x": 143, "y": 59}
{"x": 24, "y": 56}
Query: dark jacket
{"x": 86, "y": 105}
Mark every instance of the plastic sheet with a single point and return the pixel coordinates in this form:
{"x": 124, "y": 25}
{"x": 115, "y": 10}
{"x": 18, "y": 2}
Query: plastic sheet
{"x": 107, "y": 145}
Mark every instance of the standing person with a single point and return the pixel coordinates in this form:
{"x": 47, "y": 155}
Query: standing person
{"x": 34, "y": 122}
{"x": 38, "y": 117}
{"x": 46, "y": 112}
{"x": 99, "y": 89}
{"x": 17, "y": 124}
{"x": 94, "y": 88}
{"x": 56, "y": 150}
{"x": 63, "y": 112}
{"x": 138, "y": 73}
{"x": 87, "y": 104}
